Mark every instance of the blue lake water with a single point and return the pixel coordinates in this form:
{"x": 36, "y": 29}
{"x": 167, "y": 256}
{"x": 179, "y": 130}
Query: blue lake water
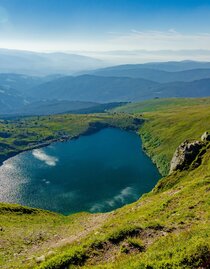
{"x": 95, "y": 173}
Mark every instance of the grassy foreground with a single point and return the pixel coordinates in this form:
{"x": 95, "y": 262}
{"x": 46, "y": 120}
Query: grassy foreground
{"x": 167, "y": 228}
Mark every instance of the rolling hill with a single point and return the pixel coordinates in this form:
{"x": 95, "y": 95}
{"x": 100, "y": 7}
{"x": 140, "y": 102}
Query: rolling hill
{"x": 94, "y": 89}
{"x": 155, "y": 74}
{"x": 101, "y": 89}
{"x": 171, "y": 66}
{"x": 50, "y": 107}
{"x": 10, "y": 100}
{"x": 35, "y": 95}
{"x": 22, "y": 82}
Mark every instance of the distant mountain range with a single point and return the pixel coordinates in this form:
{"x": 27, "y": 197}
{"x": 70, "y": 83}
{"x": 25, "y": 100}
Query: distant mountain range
{"x": 58, "y": 107}
{"x": 93, "y": 88}
{"x": 34, "y": 63}
{"x": 163, "y": 66}
{"x": 10, "y": 99}
{"x": 22, "y": 82}
{"x": 154, "y": 74}
{"x": 36, "y": 95}
{"x": 116, "y": 89}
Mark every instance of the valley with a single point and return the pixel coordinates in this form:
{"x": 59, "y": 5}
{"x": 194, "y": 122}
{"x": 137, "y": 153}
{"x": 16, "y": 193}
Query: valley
{"x": 175, "y": 213}
{"x": 95, "y": 91}
{"x": 104, "y": 134}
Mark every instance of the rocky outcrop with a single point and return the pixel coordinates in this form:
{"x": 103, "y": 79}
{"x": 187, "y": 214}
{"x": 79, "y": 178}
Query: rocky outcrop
{"x": 205, "y": 137}
{"x": 184, "y": 155}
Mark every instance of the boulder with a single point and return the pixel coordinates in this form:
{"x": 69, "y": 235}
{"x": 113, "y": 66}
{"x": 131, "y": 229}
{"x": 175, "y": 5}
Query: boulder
{"x": 184, "y": 155}
{"x": 205, "y": 137}
{"x": 40, "y": 259}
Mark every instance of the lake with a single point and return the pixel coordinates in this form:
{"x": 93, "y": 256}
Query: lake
{"x": 96, "y": 173}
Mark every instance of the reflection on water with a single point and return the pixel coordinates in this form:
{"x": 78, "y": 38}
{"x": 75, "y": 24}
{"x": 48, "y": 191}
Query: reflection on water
{"x": 95, "y": 173}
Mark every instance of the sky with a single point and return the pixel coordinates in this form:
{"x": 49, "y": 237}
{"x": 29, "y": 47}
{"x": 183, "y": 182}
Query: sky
{"x": 109, "y": 29}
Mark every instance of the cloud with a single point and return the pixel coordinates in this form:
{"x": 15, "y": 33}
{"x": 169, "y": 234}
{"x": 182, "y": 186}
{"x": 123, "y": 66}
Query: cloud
{"x": 42, "y": 156}
{"x": 143, "y": 56}
{"x": 133, "y": 46}
{"x": 120, "y": 198}
{"x": 160, "y": 40}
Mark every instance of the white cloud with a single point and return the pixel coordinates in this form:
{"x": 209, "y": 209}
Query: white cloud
{"x": 130, "y": 47}
{"x": 160, "y": 40}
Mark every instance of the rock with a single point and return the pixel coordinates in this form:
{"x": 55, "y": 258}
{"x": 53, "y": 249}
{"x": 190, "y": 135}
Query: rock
{"x": 184, "y": 155}
{"x": 50, "y": 253}
{"x": 205, "y": 137}
{"x": 40, "y": 259}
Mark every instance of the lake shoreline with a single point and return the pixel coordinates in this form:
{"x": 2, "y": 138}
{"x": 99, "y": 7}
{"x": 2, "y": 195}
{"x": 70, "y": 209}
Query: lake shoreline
{"x": 93, "y": 127}
{"x": 112, "y": 156}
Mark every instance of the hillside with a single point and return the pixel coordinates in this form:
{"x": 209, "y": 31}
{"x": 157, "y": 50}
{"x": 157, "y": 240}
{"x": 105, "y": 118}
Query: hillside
{"x": 170, "y": 66}
{"x": 154, "y": 74}
{"x": 50, "y": 107}
{"x": 10, "y": 99}
{"x": 22, "y": 82}
{"x": 160, "y": 104}
{"x": 94, "y": 89}
{"x": 16, "y": 100}
{"x": 169, "y": 122}
{"x": 175, "y": 214}
{"x": 104, "y": 89}
{"x": 58, "y": 93}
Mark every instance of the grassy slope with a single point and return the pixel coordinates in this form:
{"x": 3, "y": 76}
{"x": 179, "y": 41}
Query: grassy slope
{"x": 168, "y": 123}
{"x": 26, "y": 232}
{"x": 161, "y": 104}
{"x": 167, "y": 228}
{"x": 166, "y": 130}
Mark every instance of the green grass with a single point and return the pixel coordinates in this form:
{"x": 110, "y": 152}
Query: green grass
{"x": 164, "y": 131}
{"x": 168, "y": 123}
{"x": 172, "y": 228}
{"x": 161, "y": 104}
{"x": 166, "y": 228}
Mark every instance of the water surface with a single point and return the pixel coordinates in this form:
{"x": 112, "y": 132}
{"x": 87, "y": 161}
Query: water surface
{"x": 95, "y": 173}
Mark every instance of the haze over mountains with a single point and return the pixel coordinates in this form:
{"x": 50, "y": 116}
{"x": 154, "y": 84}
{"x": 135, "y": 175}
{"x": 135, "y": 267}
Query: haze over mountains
{"x": 25, "y": 94}
{"x": 35, "y": 63}
{"x": 113, "y": 89}
{"x": 158, "y": 75}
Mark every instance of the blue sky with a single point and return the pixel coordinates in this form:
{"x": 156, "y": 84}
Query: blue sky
{"x": 105, "y": 25}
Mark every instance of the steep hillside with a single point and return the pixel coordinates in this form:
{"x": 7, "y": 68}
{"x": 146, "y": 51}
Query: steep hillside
{"x": 169, "y": 122}
{"x": 166, "y": 228}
